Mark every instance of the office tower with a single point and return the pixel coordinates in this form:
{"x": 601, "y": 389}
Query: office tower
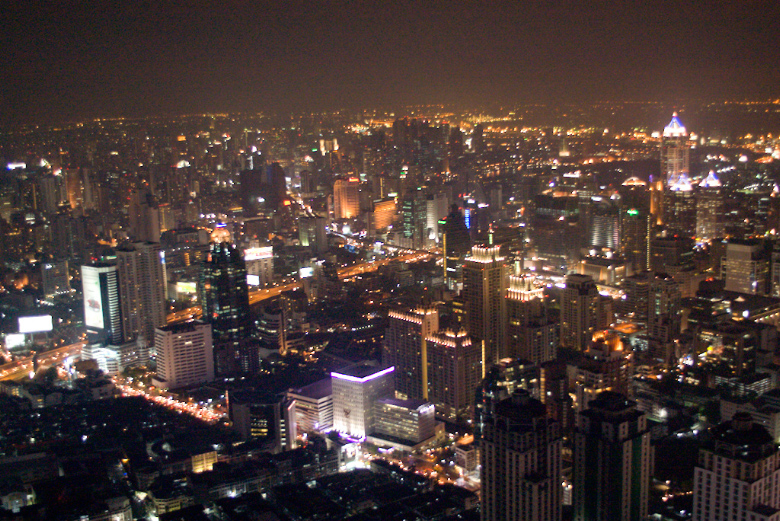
{"x": 745, "y": 268}
{"x": 664, "y": 316}
{"x": 263, "y": 417}
{"x": 259, "y": 263}
{"x": 102, "y": 312}
{"x": 184, "y": 355}
{"x": 675, "y": 153}
{"x": 346, "y": 198}
{"x": 680, "y": 208}
{"x": 636, "y": 222}
{"x": 484, "y": 286}
{"x": 144, "y": 216}
{"x": 531, "y": 334}
{"x": 579, "y": 311}
{"x": 55, "y": 278}
{"x": 313, "y": 406}
{"x": 738, "y": 473}
{"x": 521, "y": 462}
{"x": 404, "y": 347}
{"x": 384, "y": 214}
{"x": 225, "y": 300}
{"x": 142, "y": 284}
{"x": 457, "y": 243}
{"x": 612, "y": 461}
{"x": 409, "y": 421}
{"x": 355, "y": 389}
{"x": 636, "y": 289}
{"x": 312, "y": 233}
{"x": 607, "y": 365}
{"x": 709, "y": 209}
{"x": 454, "y": 373}
{"x": 604, "y": 228}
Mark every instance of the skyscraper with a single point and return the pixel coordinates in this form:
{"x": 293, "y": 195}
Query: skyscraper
{"x": 184, "y": 355}
{"x": 102, "y": 312}
{"x": 607, "y": 365}
{"x": 142, "y": 289}
{"x": 405, "y": 348}
{"x": 611, "y": 461}
{"x": 579, "y": 311}
{"x": 346, "y": 198}
{"x": 675, "y": 153}
{"x": 484, "y": 287}
{"x": 454, "y": 372}
{"x": 457, "y": 243}
{"x": 521, "y": 462}
{"x": 738, "y": 473}
{"x": 355, "y": 389}
{"x": 225, "y": 300}
{"x": 709, "y": 209}
{"x": 531, "y": 334}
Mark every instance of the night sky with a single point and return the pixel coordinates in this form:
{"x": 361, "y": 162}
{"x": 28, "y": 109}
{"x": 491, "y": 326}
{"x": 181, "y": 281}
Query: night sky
{"x": 69, "y": 60}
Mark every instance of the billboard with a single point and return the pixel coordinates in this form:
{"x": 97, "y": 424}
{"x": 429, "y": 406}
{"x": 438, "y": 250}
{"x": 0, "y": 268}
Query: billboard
{"x": 93, "y": 299}
{"x": 37, "y": 324}
{"x": 306, "y": 272}
{"x": 253, "y": 280}
{"x": 189, "y": 288}
{"x": 13, "y": 340}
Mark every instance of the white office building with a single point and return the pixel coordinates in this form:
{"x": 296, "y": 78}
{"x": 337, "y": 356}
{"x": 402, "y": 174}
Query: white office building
{"x": 355, "y": 389}
{"x": 185, "y": 355}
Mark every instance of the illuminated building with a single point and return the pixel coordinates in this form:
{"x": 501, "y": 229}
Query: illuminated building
{"x": 55, "y": 278}
{"x": 531, "y": 334}
{"x": 405, "y": 348}
{"x": 738, "y": 473}
{"x": 384, "y": 213}
{"x": 312, "y": 233}
{"x": 605, "y": 226}
{"x": 346, "y": 198}
{"x": 521, "y": 462}
{"x": 607, "y": 365}
{"x": 709, "y": 209}
{"x": 454, "y": 372}
{"x": 612, "y": 460}
{"x": 484, "y": 287}
{"x": 313, "y": 406}
{"x": 409, "y": 421}
{"x": 259, "y": 263}
{"x": 184, "y": 355}
{"x": 264, "y": 418}
{"x": 142, "y": 282}
{"x": 579, "y": 311}
{"x": 355, "y": 389}
{"x": 746, "y": 267}
{"x": 224, "y": 298}
{"x": 664, "y": 316}
{"x": 675, "y": 153}
{"x": 457, "y": 243}
{"x": 102, "y": 312}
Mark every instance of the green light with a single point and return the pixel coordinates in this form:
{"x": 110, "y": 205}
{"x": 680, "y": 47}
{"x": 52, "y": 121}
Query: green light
{"x": 633, "y": 212}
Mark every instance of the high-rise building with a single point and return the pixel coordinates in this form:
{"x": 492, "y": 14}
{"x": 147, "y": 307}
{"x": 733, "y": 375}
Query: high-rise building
{"x": 225, "y": 300}
{"x": 346, "y": 198}
{"x": 142, "y": 284}
{"x": 259, "y": 265}
{"x": 55, "y": 278}
{"x": 521, "y": 462}
{"x": 484, "y": 286}
{"x": 265, "y": 418}
{"x": 355, "y": 389}
{"x": 675, "y": 153}
{"x": 313, "y": 406}
{"x": 454, "y": 373}
{"x": 579, "y": 311}
{"x": 456, "y": 244}
{"x": 184, "y": 355}
{"x": 612, "y": 461}
{"x": 102, "y": 312}
{"x": 405, "y": 348}
{"x": 412, "y": 421}
{"x": 663, "y": 316}
{"x": 312, "y": 233}
{"x": 745, "y": 268}
{"x": 738, "y": 473}
{"x": 709, "y": 209}
{"x": 531, "y": 334}
{"x": 607, "y": 365}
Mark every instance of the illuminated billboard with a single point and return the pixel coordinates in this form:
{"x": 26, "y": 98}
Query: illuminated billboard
{"x": 253, "y": 280}
{"x": 37, "y": 324}
{"x": 306, "y": 272}
{"x": 13, "y": 340}
{"x": 189, "y": 288}
{"x": 93, "y": 299}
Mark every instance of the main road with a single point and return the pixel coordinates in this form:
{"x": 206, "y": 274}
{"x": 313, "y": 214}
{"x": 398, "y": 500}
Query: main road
{"x": 21, "y": 368}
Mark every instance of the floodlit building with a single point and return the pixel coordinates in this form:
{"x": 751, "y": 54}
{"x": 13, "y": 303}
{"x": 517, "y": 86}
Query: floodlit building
{"x": 184, "y": 355}
{"x": 355, "y": 389}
